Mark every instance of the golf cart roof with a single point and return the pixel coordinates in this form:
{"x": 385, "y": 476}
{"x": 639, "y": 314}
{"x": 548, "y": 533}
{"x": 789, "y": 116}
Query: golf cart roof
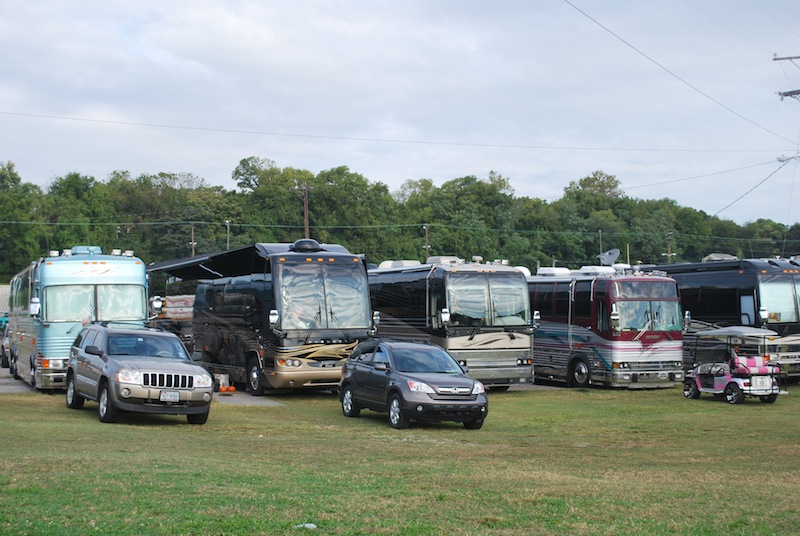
{"x": 735, "y": 331}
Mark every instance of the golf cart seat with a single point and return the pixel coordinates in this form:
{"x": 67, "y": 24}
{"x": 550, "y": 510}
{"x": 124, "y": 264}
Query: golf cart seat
{"x": 752, "y": 366}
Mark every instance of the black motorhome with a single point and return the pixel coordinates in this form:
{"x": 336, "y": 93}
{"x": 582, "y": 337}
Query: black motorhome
{"x": 278, "y": 316}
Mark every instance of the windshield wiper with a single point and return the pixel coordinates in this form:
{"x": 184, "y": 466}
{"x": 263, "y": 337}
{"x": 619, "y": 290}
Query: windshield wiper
{"x": 480, "y": 323}
{"x": 336, "y": 319}
{"x": 645, "y": 327}
{"x": 506, "y": 328}
{"x": 314, "y": 322}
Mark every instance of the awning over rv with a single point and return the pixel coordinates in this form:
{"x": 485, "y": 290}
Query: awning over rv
{"x": 253, "y": 259}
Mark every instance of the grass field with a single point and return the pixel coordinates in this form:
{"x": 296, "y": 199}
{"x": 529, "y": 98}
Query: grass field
{"x": 546, "y": 462}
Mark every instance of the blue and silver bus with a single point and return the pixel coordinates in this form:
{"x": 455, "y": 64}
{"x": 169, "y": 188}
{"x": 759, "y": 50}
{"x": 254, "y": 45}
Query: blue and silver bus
{"x": 54, "y": 296}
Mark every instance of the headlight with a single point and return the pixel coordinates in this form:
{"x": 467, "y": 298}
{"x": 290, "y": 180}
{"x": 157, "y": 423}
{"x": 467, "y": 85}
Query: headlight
{"x": 129, "y": 376}
{"x": 202, "y": 380}
{"x": 420, "y": 387}
{"x": 478, "y": 388}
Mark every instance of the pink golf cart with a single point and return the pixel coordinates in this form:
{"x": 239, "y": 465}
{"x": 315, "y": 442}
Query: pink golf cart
{"x": 741, "y": 367}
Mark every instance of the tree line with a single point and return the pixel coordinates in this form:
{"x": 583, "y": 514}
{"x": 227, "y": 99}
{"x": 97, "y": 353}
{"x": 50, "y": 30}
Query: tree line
{"x": 174, "y": 215}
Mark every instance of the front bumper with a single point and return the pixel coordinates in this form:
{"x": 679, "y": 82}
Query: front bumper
{"x": 420, "y": 406}
{"x": 139, "y": 399}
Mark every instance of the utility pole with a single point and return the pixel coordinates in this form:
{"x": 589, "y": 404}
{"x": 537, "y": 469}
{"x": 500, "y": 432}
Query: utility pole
{"x": 795, "y": 92}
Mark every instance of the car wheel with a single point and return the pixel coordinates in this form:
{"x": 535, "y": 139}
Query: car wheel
{"x": 473, "y": 425}
{"x": 733, "y": 393}
{"x": 12, "y": 368}
{"x": 74, "y": 400}
{"x": 397, "y": 417}
{"x": 690, "y": 389}
{"x": 578, "y": 374}
{"x": 106, "y": 409}
{"x": 768, "y": 399}
{"x": 349, "y": 406}
{"x": 3, "y": 358}
{"x": 255, "y": 385}
{"x": 198, "y": 418}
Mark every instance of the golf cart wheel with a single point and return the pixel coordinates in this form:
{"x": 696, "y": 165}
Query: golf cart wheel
{"x": 690, "y": 389}
{"x": 768, "y": 399}
{"x": 734, "y": 394}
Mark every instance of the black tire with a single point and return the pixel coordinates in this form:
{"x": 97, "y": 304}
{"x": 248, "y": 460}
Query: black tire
{"x": 349, "y": 406}
{"x": 3, "y": 357}
{"x": 255, "y": 383}
{"x": 397, "y": 417}
{"x": 74, "y": 400}
{"x": 690, "y": 389}
{"x": 12, "y": 367}
{"x": 733, "y": 393}
{"x": 579, "y": 374}
{"x": 768, "y": 399}
{"x": 198, "y": 418}
{"x": 473, "y": 425}
{"x": 106, "y": 410}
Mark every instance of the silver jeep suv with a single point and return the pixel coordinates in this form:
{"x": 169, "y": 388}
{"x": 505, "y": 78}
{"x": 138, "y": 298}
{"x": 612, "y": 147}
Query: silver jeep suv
{"x": 136, "y": 369}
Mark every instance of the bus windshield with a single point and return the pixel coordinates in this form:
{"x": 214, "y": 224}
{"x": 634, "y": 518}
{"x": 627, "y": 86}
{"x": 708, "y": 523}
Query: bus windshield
{"x": 779, "y": 296}
{"x": 78, "y": 303}
{"x": 488, "y": 300}
{"x": 656, "y": 315}
{"x": 323, "y": 296}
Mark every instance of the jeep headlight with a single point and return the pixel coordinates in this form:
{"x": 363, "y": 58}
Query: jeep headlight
{"x": 202, "y": 380}
{"x": 129, "y": 376}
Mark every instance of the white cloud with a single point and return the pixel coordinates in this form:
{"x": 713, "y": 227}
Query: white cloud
{"x": 535, "y": 91}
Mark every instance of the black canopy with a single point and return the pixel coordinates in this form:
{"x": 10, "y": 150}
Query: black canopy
{"x": 253, "y": 259}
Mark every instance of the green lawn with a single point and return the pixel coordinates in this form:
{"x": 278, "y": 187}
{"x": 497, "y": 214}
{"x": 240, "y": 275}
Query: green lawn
{"x": 551, "y": 461}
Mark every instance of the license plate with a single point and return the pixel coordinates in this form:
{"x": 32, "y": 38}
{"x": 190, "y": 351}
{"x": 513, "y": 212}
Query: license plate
{"x": 170, "y": 396}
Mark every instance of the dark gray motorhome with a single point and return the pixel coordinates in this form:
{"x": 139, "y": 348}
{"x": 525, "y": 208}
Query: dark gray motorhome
{"x": 278, "y": 316}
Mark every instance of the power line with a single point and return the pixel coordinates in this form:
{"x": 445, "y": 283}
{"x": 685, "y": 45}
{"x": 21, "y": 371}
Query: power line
{"x": 654, "y": 62}
{"x": 386, "y": 140}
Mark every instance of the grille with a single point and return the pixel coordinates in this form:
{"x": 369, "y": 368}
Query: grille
{"x": 172, "y": 381}
{"x": 654, "y": 366}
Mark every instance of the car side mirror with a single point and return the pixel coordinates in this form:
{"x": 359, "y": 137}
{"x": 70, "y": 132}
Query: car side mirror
{"x": 687, "y": 320}
{"x": 381, "y": 366}
{"x": 94, "y": 350}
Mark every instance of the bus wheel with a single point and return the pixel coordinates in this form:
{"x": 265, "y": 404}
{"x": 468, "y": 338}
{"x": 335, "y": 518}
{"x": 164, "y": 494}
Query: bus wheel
{"x": 12, "y": 365}
{"x": 255, "y": 385}
{"x": 578, "y": 374}
{"x": 33, "y": 374}
{"x": 733, "y": 394}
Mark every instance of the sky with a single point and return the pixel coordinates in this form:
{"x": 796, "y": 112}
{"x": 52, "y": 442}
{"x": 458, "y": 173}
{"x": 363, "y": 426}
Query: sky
{"x": 676, "y": 99}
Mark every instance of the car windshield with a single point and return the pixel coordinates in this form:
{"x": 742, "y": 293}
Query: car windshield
{"x": 145, "y": 346}
{"x": 427, "y": 360}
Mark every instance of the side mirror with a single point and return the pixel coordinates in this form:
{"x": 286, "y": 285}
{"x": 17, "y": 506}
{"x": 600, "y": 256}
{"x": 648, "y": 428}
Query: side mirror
{"x": 536, "y": 320}
{"x": 763, "y": 314}
{"x": 94, "y": 350}
{"x": 615, "y": 321}
{"x": 35, "y": 307}
{"x": 376, "y": 318}
{"x": 157, "y": 304}
{"x": 687, "y": 320}
{"x": 381, "y": 366}
{"x": 274, "y": 318}
{"x": 445, "y": 316}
